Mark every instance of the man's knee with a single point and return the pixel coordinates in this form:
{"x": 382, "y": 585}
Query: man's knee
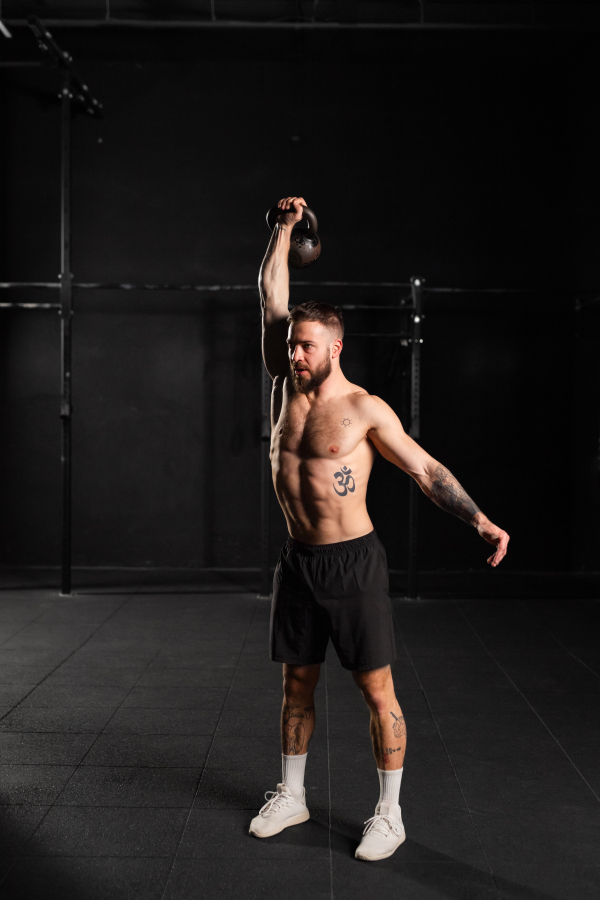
{"x": 377, "y": 688}
{"x": 300, "y": 681}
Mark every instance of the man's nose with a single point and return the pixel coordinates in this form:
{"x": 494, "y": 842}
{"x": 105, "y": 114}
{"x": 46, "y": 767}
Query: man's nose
{"x": 296, "y": 354}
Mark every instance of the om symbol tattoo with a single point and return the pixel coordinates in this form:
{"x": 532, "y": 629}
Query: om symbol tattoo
{"x": 344, "y": 480}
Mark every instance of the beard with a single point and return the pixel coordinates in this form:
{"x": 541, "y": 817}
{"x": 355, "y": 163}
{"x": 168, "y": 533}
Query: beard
{"x": 316, "y": 378}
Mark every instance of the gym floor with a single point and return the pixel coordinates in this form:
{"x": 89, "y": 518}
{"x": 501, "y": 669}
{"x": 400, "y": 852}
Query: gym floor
{"x": 139, "y": 733}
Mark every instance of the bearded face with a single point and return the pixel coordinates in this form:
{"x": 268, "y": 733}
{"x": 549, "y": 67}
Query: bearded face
{"x": 308, "y": 379}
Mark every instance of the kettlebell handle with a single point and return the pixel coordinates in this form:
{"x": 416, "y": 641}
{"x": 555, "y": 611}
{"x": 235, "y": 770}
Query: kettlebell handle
{"x": 308, "y": 222}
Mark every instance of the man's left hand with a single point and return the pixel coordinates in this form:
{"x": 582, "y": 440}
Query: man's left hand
{"x": 494, "y": 535}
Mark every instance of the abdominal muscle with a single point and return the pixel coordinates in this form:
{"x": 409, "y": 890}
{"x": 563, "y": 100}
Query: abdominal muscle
{"x": 316, "y": 495}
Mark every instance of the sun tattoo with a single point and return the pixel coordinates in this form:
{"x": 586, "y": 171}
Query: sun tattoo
{"x": 346, "y": 422}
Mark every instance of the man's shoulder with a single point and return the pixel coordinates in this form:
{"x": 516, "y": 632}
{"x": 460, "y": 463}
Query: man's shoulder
{"x": 363, "y": 401}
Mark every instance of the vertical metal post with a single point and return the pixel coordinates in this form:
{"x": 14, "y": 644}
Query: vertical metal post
{"x": 66, "y": 314}
{"x": 416, "y": 285}
{"x": 265, "y": 485}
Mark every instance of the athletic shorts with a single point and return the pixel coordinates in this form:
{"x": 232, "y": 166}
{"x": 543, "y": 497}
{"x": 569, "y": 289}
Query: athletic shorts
{"x": 338, "y": 591}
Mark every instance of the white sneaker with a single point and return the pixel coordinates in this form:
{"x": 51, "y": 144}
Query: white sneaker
{"x": 381, "y": 837}
{"x": 280, "y": 811}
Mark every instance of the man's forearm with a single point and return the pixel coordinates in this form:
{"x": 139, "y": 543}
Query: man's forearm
{"x": 442, "y": 487}
{"x": 274, "y": 277}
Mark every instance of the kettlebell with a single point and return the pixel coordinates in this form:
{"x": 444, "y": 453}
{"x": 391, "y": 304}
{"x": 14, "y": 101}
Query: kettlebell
{"x": 305, "y": 246}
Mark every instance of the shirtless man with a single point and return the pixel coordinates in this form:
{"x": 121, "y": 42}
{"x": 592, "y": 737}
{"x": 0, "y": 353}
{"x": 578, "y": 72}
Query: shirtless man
{"x": 331, "y": 580}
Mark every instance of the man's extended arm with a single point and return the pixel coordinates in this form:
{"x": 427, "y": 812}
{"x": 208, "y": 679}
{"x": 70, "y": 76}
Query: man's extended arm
{"x": 434, "y": 479}
{"x": 274, "y": 287}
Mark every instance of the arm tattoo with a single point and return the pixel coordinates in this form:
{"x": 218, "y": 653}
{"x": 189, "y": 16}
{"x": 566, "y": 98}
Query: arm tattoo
{"x": 450, "y": 496}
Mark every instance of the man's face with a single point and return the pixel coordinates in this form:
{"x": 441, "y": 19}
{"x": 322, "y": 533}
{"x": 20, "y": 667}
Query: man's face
{"x": 309, "y": 349}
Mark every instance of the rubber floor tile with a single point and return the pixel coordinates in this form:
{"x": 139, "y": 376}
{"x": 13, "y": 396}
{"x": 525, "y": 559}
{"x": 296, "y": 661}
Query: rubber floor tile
{"x": 13, "y": 673}
{"x": 17, "y": 824}
{"x": 86, "y": 879}
{"x": 44, "y": 749}
{"x": 135, "y": 786}
{"x": 63, "y": 719}
{"x": 439, "y": 837}
{"x": 163, "y": 721}
{"x": 176, "y": 697}
{"x": 32, "y": 784}
{"x": 92, "y": 676}
{"x": 228, "y": 880}
{"x": 569, "y": 833}
{"x": 197, "y": 677}
{"x": 245, "y": 788}
{"x": 50, "y": 696}
{"x": 548, "y": 882}
{"x": 28, "y": 657}
{"x": 223, "y": 834}
{"x": 108, "y": 831}
{"x": 11, "y": 694}
{"x": 153, "y": 750}
{"x": 397, "y": 877}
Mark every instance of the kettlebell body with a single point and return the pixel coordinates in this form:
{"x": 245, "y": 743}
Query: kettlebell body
{"x": 305, "y": 245}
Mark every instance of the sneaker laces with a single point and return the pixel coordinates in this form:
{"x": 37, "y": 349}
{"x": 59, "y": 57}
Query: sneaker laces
{"x": 383, "y": 825}
{"x": 276, "y": 800}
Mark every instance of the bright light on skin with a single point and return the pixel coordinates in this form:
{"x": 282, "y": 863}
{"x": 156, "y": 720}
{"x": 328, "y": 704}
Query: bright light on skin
{"x": 4, "y": 30}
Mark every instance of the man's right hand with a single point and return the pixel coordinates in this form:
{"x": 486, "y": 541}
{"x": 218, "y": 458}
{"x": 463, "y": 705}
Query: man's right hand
{"x": 291, "y": 211}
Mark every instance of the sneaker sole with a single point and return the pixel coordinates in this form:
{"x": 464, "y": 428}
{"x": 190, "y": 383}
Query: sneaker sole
{"x": 295, "y": 820}
{"x": 383, "y": 855}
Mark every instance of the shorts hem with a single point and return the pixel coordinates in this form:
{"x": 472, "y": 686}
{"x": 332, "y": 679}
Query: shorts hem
{"x": 288, "y": 662}
{"x": 366, "y": 667}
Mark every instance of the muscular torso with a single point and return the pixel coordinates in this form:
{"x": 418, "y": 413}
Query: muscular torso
{"x": 321, "y": 459}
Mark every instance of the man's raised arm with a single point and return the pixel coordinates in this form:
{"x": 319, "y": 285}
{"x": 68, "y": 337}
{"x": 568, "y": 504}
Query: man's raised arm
{"x": 437, "y": 482}
{"x": 274, "y": 287}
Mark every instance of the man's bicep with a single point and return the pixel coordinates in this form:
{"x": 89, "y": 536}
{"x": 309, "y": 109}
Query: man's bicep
{"x": 394, "y": 444}
{"x": 274, "y": 346}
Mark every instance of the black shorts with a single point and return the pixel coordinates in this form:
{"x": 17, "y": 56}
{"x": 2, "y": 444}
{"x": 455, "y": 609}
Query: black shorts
{"x": 338, "y": 591}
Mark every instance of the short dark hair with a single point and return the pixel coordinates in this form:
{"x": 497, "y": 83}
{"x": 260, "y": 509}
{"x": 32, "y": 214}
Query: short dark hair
{"x": 313, "y": 311}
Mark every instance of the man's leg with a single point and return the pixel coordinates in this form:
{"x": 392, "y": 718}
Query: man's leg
{"x": 388, "y": 729}
{"x": 298, "y": 710}
{"x": 385, "y": 832}
{"x": 287, "y": 806}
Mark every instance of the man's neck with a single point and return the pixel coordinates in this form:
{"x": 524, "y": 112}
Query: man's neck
{"x": 333, "y": 386}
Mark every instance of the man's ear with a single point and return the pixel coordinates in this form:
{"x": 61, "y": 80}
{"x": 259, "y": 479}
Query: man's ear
{"x": 336, "y": 348}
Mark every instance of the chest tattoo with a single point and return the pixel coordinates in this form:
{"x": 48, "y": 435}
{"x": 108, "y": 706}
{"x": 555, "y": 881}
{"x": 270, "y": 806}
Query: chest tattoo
{"x": 345, "y": 482}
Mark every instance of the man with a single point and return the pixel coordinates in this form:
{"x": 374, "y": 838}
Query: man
{"x": 331, "y": 580}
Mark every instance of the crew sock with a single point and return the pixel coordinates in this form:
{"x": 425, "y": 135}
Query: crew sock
{"x": 389, "y": 792}
{"x": 292, "y": 773}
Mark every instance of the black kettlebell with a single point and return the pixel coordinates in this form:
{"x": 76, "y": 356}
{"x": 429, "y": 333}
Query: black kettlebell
{"x": 305, "y": 246}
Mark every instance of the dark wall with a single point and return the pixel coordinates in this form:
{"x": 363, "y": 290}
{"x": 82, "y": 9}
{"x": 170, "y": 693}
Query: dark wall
{"x": 467, "y": 158}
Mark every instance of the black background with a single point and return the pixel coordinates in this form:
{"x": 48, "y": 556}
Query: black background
{"x": 468, "y": 158}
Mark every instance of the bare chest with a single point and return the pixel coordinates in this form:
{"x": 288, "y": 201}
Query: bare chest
{"x": 329, "y": 432}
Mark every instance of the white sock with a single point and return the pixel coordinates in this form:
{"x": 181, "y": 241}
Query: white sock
{"x": 389, "y": 792}
{"x": 292, "y": 773}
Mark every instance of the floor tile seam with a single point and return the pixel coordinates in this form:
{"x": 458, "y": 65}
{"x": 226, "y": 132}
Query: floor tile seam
{"x": 216, "y": 728}
{"x": 120, "y": 733}
{"x": 26, "y": 625}
{"x": 570, "y": 652}
{"x": 68, "y": 656}
{"x": 467, "y": 807}
{"x": 103, "y": 731}
{"x": 531, "y": 706}
{"x": 328, "y": 782}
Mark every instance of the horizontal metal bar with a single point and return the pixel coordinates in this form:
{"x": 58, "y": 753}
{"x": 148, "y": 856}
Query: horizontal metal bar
{"x": 29, "y": 305}
{"x": 116, "y": 286}
{"x": 406, "y": 336}
{"x": 295, "y": 26}
{"x": 29, "y": 284}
